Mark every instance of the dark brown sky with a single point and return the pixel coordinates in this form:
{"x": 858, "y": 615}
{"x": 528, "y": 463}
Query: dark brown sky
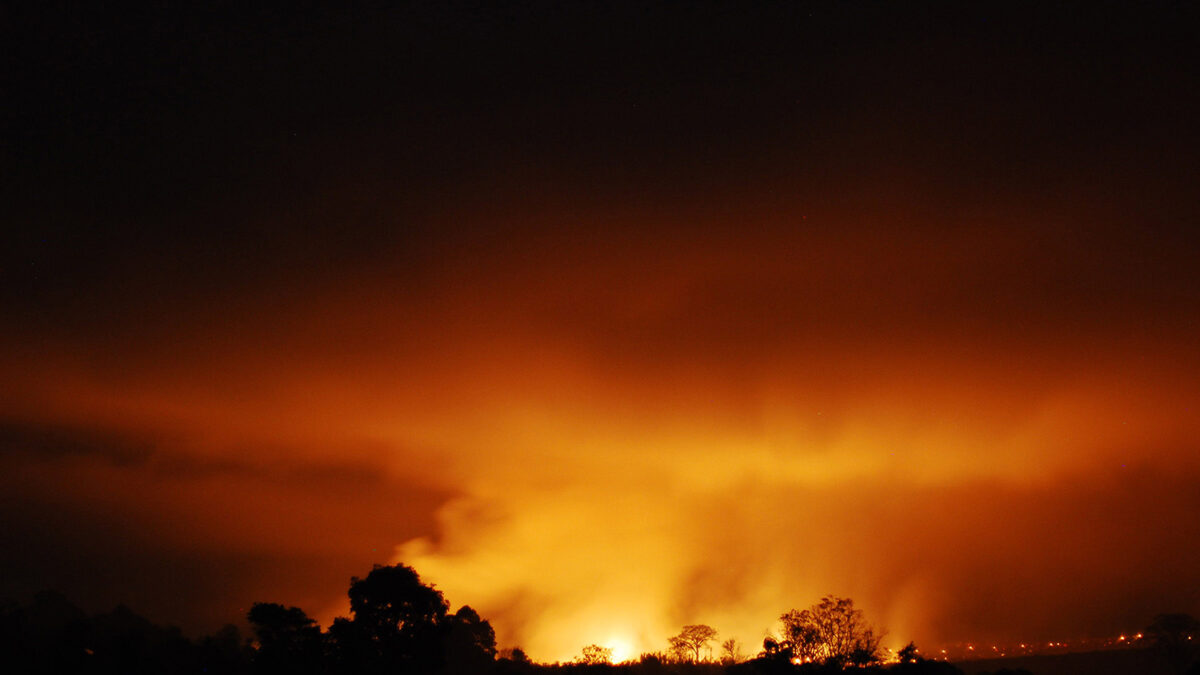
{"x": 607, "y": 318}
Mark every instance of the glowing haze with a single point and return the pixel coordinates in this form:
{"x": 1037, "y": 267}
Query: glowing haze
{"x": 602, "y": 384}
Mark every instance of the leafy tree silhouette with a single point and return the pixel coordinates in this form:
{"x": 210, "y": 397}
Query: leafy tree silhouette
{"x": 288, "y": 640}
{"x": 514, "y": 662}
{"x": 1178, "y": 637}
{"x": 774, "y": 659}
{"x": 831, "y": 631}
{"x": 225, "y": 651}
{"x": 401, "y": 626}
{"x": 469, "y": 643}
{"x": 395, "y": 623}
{"x": 391, "y": 602}
{"x": 912, "y": 663}
{"x": 46, "y": 636}
{"x": 123, "y": 641}
{"x": 594, "y": 655}
{"x": 514, "y": 655}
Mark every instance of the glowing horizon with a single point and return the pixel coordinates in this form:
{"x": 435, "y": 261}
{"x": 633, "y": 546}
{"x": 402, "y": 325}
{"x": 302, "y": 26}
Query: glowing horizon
{"x": 572, "y": 492}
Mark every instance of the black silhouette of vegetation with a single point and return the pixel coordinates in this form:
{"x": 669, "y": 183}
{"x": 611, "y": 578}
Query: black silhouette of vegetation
{"x": 51, "y": 636}
{"x": 595, "y": 655}
{"x": 401, "y": 626}
{"x": 731, "y": 651}
{"x": 1177, "y": 636}
{"x": 693, "y": 638}
{"x": 910, "y": 662}
{"x": 288, "y": 640}
{"x": 831, "y": 631}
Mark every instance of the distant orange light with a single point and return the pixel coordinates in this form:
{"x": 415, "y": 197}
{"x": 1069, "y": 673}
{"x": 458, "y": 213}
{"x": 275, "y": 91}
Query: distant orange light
{"x": 622, "y": 650}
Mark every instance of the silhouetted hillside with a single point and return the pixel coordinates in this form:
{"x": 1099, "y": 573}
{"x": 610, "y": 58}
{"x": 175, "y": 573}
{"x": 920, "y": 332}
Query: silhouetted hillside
{"x": 402, "y": 626}
{"x": 1108, "y": 662}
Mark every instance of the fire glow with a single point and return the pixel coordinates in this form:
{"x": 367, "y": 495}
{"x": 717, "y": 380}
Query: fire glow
{"x": 609, "y": 480}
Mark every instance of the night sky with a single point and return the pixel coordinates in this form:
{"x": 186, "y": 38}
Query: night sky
{"x": 606, "y": 317}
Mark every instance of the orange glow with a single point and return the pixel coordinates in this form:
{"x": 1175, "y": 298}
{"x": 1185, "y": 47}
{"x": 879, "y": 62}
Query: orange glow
{"x": 602, "y": 445}
{"x": 622, "y": 649}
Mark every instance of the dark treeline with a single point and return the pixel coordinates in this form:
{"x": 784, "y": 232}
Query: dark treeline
{"x": 52, "y": 636}
{"x": 398, "y": 626}
{"x": 401, "y": 626}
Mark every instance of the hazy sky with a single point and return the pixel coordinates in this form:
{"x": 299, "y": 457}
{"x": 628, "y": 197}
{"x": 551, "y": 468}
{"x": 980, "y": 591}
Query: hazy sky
{"x": 607, "y": 319}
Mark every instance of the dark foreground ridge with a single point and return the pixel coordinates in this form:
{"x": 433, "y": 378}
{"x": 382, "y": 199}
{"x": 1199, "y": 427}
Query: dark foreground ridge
{"x": 1109, "y": 661}
{"x": 401, "y": 626}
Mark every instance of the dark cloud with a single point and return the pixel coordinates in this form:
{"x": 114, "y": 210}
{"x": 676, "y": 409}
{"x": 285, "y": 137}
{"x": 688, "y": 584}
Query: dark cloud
{"x": 167, "y": 457}
{"x": 110, "y": 516}
{"x": 49, "y": 443}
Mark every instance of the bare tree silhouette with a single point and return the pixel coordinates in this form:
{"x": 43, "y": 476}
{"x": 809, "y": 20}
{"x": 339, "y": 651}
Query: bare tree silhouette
{"x": 691, "y": 640}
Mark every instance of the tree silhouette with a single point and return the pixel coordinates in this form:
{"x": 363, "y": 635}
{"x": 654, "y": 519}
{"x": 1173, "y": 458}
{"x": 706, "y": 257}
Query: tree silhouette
{"x": 288, "y": 640}
{"x": 45, "y": 636}
{"x": 518, "y": 655}
{"x": 594, "y": 655}
{"x": 391, "y": 601}
{"x": 770, "y": 646}
{"x": 831, "y": 631}
{"x": 401, "y": 625}
{"x": 469, "y": 643}
{"x": 225, "y": 651}
{"x": 1176, "y": 635}
{"x": 800, "y": 636}
{"x": 399, "y": 617}
{"x": 731, "y": 651}
{"x": 691, "y": 640}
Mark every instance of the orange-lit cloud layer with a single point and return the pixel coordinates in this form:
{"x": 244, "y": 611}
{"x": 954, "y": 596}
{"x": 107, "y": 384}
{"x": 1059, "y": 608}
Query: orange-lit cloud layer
{"x": 599, "y": 440}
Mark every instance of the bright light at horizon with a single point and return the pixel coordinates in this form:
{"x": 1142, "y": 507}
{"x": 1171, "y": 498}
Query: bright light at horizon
{"x": 622, "y": 649}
